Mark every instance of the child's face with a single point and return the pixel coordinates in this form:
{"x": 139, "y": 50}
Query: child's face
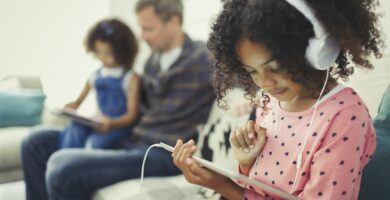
{"x": 104, "y": 52}
{"x": 266, "y": 72}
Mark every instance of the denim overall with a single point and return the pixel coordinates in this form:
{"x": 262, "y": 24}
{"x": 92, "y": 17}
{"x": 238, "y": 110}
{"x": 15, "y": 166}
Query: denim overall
{"x": 112, "y": 102}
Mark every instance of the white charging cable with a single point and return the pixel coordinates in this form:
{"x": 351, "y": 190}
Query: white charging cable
{"x": 299, "y": 158}
{"x": 143, "y": 169}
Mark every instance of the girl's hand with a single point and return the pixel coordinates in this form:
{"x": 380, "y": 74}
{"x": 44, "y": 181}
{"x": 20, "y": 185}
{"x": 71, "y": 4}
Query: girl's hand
{"x": 105, "y": 124}
{"x": 72, "y": 105}
{"x": 247, "y": 142}
{"x": 191, "y": 170}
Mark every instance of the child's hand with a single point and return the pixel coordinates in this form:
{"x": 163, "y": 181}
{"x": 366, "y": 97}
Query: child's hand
{"x": 247, "y": 142}
{"x": 191, "y": 170}
{"x": 73, "y": 105}
{"x": 105, "y": 124}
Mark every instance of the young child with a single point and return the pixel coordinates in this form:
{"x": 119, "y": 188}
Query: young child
{"x": 116, "y": 86}
{"x": 316, "y": 135}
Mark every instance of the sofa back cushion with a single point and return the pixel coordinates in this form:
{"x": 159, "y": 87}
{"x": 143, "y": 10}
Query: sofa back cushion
{"x": 213, "y": 141}
{"x": 21, "y": 107}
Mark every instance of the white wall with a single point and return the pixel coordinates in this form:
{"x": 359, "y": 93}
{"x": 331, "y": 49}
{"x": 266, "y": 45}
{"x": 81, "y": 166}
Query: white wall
{"x": 385, "y": 21}
{"x": 45, "y": 38}
{"x": 371, "y": 84}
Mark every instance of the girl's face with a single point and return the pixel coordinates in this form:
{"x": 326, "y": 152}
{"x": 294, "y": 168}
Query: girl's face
{"x": 266, "y": 72}
{"x": 104, "y": 52}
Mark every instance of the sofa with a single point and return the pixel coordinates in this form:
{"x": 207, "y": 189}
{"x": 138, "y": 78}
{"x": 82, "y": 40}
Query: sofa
{"x": 27, "y": 90}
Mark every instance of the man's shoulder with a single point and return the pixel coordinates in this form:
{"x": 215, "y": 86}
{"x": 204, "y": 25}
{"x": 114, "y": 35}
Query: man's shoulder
{"x": 198, "y": 44}
{"x": 197, "y": 51}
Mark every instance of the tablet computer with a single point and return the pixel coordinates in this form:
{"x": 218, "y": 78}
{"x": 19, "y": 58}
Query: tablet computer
{"x": 74, "y": 116}
{"x": 236, "y": 176}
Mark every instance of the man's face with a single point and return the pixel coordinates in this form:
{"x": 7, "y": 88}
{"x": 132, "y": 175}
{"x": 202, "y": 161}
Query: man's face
{"x": 156, "y": 33}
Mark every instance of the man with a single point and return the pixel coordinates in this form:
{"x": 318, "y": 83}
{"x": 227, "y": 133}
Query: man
{"x": 177, "y": 97}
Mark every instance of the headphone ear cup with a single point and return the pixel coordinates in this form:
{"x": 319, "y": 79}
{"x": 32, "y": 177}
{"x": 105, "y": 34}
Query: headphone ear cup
{"x": 322, "y": 52}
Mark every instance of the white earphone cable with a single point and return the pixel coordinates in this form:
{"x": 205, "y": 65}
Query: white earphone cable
{"x": 299, "y": 158}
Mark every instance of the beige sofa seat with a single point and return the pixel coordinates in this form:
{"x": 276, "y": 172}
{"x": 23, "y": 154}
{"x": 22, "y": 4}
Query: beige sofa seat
{"x": 10, "y": 140}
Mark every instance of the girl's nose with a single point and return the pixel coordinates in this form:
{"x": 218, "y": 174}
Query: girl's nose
{"x": 264, "y": 80}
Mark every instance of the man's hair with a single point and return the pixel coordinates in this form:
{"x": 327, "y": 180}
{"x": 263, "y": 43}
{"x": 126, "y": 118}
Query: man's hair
{"x": 165, "y": 9}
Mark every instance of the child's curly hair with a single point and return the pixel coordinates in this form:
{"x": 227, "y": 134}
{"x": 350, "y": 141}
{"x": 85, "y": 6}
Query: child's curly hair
{"x": 121, "y": 38}
{"x": 285, "y": 32}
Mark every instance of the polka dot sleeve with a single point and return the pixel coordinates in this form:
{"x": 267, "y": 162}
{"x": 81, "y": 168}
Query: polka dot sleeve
{"x": 336, "y": 167}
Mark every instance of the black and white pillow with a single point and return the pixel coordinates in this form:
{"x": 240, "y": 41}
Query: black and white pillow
{"x": 213, "y": 143}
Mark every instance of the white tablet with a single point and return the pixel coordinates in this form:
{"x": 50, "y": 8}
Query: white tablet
{"x": 74, "y": 116}
{"x": 236, "y": 176}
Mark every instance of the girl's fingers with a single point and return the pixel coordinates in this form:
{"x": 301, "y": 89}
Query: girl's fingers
{"x": 261, "y": 134}
{"x": 183, "y": 151}
{"x": 186, "y": 153}
{"x": 233, "y": 139}
{"x": 251, "y": 136}
{"x": 251, "y": 129}
{"x": 191, "y": 177}
{"x": 240, "y": 135}
{"x": 181, "y": 156}
{"x": 202, "y": 175}
{"x": 192, "y": 173}
{"x": 237, "y": 139}
{"x": 178, "y": 145}
{"x": 199, "y": 171}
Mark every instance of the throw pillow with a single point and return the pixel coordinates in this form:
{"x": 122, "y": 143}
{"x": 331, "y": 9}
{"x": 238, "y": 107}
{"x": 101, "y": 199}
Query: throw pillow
{"x": 21, "y": 107}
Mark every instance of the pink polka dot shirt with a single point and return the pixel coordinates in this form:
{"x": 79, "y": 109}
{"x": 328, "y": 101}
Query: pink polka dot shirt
{"x": 340, "y": 143}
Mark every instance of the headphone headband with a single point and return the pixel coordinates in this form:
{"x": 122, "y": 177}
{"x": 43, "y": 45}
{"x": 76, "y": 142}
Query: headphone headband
{"x": 323, "y": 49}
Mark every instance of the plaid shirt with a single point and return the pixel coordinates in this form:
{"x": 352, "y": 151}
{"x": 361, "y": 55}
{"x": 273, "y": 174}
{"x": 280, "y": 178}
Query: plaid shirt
{"x": 178, "y": 100}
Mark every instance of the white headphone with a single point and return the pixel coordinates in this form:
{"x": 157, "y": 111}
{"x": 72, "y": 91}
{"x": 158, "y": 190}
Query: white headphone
{"x": 321, "y": 53}
{"x": 323, "y": 49}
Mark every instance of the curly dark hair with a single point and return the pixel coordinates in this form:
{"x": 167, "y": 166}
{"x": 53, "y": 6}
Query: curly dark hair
{"x": 121, "y": 38}
{"x": 285, "y": 32}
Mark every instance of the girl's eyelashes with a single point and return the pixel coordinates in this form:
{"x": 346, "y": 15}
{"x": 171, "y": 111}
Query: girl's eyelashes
{"x": 247, "y": 69}
{"x": 276, "y": 69}
{"x": 271, "y": 67}
{"x": 251, "y": 71}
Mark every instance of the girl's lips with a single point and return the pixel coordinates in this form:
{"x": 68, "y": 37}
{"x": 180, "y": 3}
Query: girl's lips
{"x": 277, "y": 92}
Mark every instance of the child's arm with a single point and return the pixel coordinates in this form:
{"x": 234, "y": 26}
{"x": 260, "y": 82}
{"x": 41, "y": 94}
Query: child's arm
{"x": 80, "y": 99}
{"x": 133, "y": 101}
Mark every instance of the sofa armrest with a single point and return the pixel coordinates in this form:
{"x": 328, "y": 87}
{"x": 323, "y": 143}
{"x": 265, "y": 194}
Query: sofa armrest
{"x": 25, "y": 82}
{"x": 49, "y": 118}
